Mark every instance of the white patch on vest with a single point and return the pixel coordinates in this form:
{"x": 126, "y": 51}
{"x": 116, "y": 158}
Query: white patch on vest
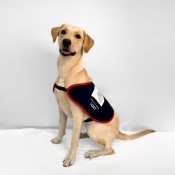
{"x": 98, "y": 96}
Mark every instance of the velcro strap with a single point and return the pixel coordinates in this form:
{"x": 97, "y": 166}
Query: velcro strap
{"x": 59, "y": 88}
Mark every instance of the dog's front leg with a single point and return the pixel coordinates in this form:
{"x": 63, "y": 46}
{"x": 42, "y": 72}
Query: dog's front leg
{"x": 77, "y": 121}
{"x": 61, "y": 126}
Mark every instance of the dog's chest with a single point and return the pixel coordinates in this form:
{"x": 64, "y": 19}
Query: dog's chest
{"x": 63, "y": 101}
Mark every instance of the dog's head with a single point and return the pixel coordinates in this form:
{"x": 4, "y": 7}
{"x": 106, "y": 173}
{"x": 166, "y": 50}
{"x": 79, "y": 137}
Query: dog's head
{"x": 71, "y": 39}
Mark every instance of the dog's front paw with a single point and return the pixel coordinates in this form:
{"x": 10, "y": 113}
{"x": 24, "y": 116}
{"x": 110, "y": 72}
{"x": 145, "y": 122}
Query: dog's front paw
{"x": 56, "y": 140}
{"x": 68, "y": 161}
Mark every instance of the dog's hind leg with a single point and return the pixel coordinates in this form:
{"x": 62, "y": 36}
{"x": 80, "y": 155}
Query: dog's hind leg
{"x": 95, "y": 153}
{"x": 103, "y": 137}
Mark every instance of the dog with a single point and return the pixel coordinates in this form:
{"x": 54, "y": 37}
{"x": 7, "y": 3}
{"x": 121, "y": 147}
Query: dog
{"x": 72, "y": 78}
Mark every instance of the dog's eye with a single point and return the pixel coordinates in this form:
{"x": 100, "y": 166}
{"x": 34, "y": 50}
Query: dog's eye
{"x": 78, "y": 36}
{"x": 63, "y": 32}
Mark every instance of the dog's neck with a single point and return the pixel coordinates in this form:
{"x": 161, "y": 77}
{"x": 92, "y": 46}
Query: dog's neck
{"x": 69, "y": 65}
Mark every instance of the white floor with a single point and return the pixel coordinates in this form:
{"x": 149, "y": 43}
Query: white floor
{"x": 30, "y": 152}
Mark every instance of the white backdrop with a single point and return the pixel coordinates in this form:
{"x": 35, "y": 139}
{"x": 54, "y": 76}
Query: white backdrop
{"x": 132, "y": 61}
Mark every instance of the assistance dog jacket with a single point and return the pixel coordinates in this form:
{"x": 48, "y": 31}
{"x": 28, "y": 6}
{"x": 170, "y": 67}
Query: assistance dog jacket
{"x": 90, "y": 100}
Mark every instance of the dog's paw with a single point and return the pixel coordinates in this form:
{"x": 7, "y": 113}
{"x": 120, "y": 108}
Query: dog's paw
{"x": 91, "y": 154}
{"x": 56, "y": 140}
{"x": 83, "y": 135}
{"x": 68, "y": 161}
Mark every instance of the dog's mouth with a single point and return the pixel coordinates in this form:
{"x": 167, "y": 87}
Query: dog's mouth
{"x": 66, "y": 52}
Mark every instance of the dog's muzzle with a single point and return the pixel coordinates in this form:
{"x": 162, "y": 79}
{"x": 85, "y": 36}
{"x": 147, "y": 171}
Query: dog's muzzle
{"x": 65, "y": 51}
{"x": 66, "y": 42}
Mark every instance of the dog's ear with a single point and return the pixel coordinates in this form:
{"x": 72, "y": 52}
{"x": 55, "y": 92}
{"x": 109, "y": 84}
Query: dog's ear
{"x": 55, "y": 31}
{"x": 88, "y": 42}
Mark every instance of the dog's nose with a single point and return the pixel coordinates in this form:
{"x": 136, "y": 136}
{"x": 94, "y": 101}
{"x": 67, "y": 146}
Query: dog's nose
{"x": 66, "y": 42}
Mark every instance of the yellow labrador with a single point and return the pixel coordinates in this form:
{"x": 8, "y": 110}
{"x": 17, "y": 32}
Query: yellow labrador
{"x": 72, "y": 42}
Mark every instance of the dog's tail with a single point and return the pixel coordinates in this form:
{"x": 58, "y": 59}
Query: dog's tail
{"x": 123, "y": 136}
